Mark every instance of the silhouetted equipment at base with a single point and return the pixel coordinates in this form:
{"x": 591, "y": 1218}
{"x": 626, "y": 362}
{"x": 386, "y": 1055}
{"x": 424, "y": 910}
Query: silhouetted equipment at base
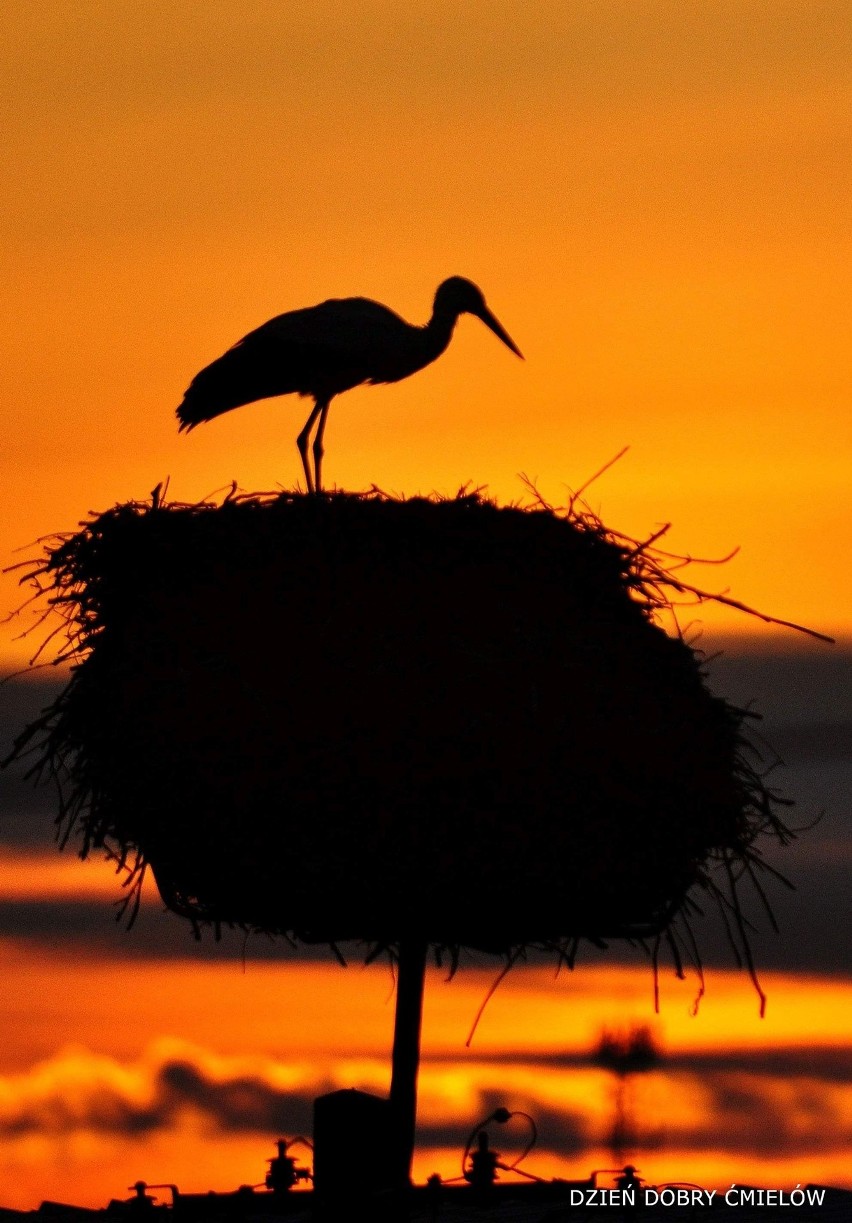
{"x": 411, "y": 723}
{"x": 347, "y": 1125}
{"x": 480, "y": 1196}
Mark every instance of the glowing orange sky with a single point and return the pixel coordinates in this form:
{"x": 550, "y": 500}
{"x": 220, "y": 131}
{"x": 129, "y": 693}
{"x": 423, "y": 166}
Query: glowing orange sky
{"x": 653, "y": 197}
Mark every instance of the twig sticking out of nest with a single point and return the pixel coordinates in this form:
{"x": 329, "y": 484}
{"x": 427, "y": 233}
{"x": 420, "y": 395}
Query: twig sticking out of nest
{"x": 355, "y": 717}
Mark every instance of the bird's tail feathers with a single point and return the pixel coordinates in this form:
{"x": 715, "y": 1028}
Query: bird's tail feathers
{"x": 224, "y": 385}
{"x": 185, "y": 424}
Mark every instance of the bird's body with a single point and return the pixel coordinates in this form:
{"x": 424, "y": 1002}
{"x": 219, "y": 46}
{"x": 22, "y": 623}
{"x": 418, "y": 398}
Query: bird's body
{"x": 326, "y": 349}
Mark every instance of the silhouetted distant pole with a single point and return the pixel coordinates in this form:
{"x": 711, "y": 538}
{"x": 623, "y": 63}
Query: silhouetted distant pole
{"x": 406, "y": 1055}
{"x": 326, "y": 349}
{"x": 626, "y": 1054}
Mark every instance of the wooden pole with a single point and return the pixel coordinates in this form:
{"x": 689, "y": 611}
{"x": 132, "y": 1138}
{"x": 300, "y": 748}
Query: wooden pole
{"x": 406, "y": 1055}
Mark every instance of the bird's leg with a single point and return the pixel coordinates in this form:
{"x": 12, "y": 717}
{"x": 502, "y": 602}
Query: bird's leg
{"x": 318, "y": 447}
{"x": 302, "y": 443}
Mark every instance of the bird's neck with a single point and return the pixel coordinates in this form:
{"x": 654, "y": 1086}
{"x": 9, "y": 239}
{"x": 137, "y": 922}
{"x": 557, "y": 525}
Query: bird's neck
{"x": 439, "y": 331}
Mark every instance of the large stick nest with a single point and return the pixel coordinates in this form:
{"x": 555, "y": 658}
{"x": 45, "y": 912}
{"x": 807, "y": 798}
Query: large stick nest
{"x": 353, "y": 717}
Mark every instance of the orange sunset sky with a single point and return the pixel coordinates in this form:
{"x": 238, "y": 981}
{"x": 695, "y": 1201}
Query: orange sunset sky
{"x": 655, "y": 200}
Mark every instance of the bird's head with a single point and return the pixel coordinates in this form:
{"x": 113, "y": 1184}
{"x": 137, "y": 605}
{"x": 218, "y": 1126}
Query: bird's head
{"x": 459, "y": 296}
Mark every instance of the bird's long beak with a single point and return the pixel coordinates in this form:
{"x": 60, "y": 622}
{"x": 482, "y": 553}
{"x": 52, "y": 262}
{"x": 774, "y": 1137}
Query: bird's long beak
{"x": 490, "y": 321}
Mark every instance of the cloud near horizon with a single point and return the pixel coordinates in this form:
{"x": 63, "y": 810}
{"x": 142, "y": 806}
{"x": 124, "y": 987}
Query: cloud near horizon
{"x": 776, "y": 1104}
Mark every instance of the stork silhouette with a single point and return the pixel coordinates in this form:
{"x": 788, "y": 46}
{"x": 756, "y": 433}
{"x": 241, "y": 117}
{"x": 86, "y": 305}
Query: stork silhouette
{"x": 326, "y": 349}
